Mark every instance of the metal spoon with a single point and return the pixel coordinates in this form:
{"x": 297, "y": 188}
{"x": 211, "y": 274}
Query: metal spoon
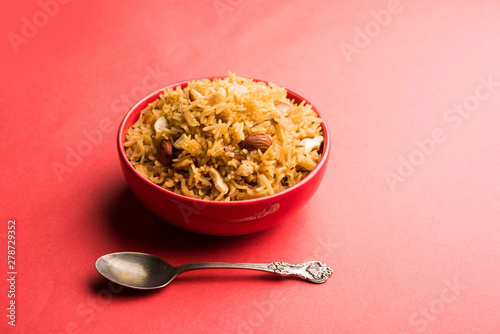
{"x": 144, "y": 271}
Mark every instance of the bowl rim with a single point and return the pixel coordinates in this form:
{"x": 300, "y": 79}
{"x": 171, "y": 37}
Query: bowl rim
{"x": 155, "y": 94}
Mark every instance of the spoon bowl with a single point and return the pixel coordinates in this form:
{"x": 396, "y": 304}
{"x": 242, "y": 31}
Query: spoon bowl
{"x": 145, "y": 271}
{"x": 136, "y": 270}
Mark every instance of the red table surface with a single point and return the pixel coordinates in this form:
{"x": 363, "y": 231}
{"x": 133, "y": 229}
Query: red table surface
{"x": 407, "y": 215}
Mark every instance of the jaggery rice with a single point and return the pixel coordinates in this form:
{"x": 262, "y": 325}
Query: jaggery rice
{"x": 225, "y": 139}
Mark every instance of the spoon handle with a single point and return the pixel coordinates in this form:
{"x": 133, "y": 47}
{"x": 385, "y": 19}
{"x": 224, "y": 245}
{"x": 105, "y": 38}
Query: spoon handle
{"x": 313, "y": 271}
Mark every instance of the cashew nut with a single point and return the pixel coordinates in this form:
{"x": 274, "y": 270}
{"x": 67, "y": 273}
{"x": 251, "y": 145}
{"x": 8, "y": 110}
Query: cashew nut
{"x": 219, "y": 183}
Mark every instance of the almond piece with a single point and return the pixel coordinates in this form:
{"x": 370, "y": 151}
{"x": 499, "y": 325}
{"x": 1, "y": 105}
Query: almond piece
{"x": 256, "y": 142}
{"x": 234, "y": 154}
{"x": 165, "y": 152}
{"x": 282, "y": 107}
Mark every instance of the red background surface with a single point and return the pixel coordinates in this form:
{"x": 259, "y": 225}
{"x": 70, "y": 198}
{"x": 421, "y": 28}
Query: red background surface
{"x": 418, "y": 254}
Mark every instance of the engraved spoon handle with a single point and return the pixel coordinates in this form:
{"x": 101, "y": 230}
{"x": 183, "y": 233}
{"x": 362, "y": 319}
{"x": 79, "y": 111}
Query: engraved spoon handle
{"x": 313, "y": 271}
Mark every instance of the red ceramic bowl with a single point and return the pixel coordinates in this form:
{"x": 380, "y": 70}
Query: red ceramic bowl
{"x": 219, "y": 218}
